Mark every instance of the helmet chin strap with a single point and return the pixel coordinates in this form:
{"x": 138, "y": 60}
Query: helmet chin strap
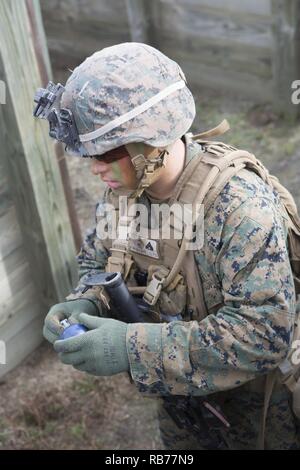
{"x": 148, "y": 163}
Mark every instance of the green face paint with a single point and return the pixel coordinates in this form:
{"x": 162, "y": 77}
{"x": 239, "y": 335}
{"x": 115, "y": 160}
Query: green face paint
{"x": 124, "y": 172}
{"x": 116, "y": 171}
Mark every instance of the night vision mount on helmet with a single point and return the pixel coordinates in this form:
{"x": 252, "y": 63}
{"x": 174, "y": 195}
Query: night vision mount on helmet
{"x": 61, "y": 121}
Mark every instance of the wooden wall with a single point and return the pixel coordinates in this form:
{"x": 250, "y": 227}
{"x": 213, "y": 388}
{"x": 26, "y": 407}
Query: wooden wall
{"x": 37, "y": 253}
{"x": 217, "y": 43}
{"x": 241, "y": 46}
{"x": 77, "y": 28}
{"x": 21, "y": 314}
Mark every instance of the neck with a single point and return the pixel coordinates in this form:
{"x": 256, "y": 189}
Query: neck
{"x": 163, "y": 187}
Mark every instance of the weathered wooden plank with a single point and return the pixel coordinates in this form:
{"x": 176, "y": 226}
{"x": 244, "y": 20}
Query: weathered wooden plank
{"x": 20, "y": 343}
{"x": 16, "y": 283}
{"x": 6, "y": 200}
{"x": 10, "y": 233}
{"x": 24, "y": 315}
{"x": 5, "y": 193}
{"x": 43, "y": 61}
{"x": 15, "y": 307}
{"x": 13, "y": 261}
{"x": 213, "y": 77}
{"x": 31, "y": 163}
{"x": 15, "y": 304}
{"x": 39, "y": 38}
{"x": 226, "y": 55}
{"x": 255, "y": 7}
{"x": 64, "y": 57}
{"x": 212, "y": 22}
{"x": 101, "y": 24}
{"x": 71, "y": 10}
{"x": 15, "y": 289}
{"x": 194, "y": 22}
{"x": 230, "y": 37}
{"x": 21, "y": 314}
{"x": 286, "y": 55}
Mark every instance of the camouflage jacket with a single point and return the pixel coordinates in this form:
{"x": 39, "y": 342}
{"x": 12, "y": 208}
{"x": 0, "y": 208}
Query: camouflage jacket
{"x": 249, "y": 292}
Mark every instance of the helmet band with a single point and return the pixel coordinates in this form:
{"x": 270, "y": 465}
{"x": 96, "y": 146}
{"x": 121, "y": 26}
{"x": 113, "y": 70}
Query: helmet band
{"x": 133, "y": 113}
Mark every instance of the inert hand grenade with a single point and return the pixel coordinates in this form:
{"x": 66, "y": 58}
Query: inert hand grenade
{"x": 71, "y": 330}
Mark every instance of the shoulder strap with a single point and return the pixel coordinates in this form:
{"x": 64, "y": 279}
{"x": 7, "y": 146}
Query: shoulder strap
{"x": 213, "y": 173}
{"x": 120, "y": 259}
{"x": 218, "y": 130}
{"x": 201, "y": 182}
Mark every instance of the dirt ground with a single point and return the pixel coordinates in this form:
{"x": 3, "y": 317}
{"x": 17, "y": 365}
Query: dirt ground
{"x": 46, "y": 405}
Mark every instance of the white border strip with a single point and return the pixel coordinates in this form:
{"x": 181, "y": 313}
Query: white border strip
{"x": 133, "y": 113}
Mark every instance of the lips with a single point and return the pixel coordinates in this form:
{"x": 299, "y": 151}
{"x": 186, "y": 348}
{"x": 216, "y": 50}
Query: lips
{"x": 113, "y": 184}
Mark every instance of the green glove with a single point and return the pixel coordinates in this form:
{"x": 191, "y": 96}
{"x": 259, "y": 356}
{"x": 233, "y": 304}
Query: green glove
{"x": 100, "y": 351}
{"x": 70, "y": 310}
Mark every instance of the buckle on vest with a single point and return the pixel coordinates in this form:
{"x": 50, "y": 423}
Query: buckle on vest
{"x": 154, "y": 287}
{"x": 139, "y": 162}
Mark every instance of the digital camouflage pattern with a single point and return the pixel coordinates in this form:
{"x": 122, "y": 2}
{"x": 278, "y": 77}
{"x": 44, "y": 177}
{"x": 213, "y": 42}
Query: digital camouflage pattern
{"x": 243, "y": 409}
{"x": 246, "y": 267}
{"x": 117, "y": 79}
{"x": 249, "y": 292}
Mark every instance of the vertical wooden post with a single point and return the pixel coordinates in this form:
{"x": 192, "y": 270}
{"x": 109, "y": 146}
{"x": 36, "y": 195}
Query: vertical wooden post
{"x": 43, "y": 61}
{"x": 286, "y": 53}
{"x": 31, "y": 165}
{"x": 139, "y": 19}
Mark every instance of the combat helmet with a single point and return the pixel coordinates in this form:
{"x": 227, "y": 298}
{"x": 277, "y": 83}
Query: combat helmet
{"x": 128, "y": 95}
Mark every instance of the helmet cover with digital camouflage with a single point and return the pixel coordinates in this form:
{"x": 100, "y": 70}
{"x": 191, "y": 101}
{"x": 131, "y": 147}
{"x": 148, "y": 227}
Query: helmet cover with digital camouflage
{"x": 128, "y": 95}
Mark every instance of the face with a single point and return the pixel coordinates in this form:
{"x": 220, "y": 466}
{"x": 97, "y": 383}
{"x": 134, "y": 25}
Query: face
{"x": 115, "y": 169}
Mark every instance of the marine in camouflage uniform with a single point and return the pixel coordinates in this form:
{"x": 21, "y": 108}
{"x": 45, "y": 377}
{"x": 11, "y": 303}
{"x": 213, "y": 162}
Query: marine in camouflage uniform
{"x": 243, "y": 265}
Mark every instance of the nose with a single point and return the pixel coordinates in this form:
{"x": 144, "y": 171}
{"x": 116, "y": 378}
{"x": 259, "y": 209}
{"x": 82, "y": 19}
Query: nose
{"x": 98, "y": 167}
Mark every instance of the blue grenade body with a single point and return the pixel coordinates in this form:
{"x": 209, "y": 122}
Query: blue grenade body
{"x": 71, "y": 330}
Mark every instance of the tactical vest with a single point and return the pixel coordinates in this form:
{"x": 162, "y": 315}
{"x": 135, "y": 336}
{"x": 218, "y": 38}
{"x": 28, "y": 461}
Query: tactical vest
{"x": 173, "y": 282}
{"x": 173, "y": 288}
